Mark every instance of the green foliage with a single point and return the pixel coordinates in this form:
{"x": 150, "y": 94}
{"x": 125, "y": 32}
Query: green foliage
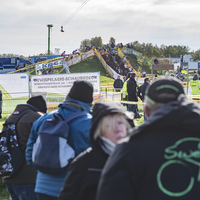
{"x": 96, "y": 42}
{"x": 112, "y": 40}
{"x": 149, "y": 50}
{"x": 84, "y": 43}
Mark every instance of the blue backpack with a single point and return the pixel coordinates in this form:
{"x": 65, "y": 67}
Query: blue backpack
{"x": 51, "y": 151}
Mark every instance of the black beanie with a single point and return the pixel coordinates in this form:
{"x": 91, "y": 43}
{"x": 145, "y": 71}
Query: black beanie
{"x": 102, "y": 109}
{"x": 81, "y": 91}
{"x": 38, "y": 102}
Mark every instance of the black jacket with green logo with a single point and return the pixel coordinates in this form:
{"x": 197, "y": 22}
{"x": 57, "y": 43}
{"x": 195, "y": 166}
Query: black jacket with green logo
{"x": 160, "y": 160}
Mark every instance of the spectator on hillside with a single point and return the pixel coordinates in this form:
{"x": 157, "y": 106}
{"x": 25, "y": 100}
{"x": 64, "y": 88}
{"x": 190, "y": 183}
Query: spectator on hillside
{"x": 108, "y": 46}
{"x": 157, "y": 160}
{"x": 109, "y": 125}
{"x": 124, "y": 59}
{"x": 118, "y": 84}
{"x": 112, "y": 45}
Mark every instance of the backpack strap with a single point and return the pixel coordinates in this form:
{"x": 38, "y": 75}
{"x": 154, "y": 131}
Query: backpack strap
{"x": 20, "y": 115}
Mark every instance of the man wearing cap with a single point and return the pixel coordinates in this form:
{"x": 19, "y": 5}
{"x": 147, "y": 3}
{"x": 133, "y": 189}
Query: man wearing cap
{"x": 161, "y": 158}
{"x": 79, "y": 99}
{"x": 22, "y": 184}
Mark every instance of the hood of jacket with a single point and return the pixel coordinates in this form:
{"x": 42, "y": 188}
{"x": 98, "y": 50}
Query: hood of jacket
{"x": 183, "y": 115}
{"x": 99, "y": 111}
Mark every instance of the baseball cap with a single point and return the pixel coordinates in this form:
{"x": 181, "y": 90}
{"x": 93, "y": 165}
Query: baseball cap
{"x": 164, "y": 90}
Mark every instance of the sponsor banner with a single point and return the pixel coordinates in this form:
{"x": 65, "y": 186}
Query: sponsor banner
{"x": 57, "y": 51}
{"x": 131, "y": 51}
{"x": 47, "y": 65}
{"x": 62, "y": 83}
{"x": 76, "y": 59}
{"x": 88, "y": 54}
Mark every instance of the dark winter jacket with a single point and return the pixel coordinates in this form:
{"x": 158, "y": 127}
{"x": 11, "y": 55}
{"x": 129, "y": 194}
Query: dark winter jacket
{"x": 85, "y": 170}
{"x": 160, "y": 160}
{"x": 118, "y": 83}
{"x": 132, "y": 89}
{"x": 26, "y": 175}
{"x": 141, "y": 90}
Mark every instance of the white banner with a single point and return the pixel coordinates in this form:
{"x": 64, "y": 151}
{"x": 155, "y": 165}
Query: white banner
{"x": 14, "y": 85}
{"x": 62, "y": 83}
{"x": 50, "y": 64}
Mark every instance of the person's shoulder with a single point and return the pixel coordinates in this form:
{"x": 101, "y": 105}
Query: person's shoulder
{"x": 83, "y": 157}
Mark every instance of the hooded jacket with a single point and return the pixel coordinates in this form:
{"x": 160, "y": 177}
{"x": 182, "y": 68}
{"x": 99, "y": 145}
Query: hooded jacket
{"x": 78, "y": 139}
{"x": 160, "y": 160}
{"x": 26, "y": 175}
{"x": 85, "y": 170}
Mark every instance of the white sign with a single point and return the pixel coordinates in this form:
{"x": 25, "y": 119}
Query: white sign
{"x": 14, "y": 85}
{"x": 62, "y": 83}
{"x": 57, "y": 51}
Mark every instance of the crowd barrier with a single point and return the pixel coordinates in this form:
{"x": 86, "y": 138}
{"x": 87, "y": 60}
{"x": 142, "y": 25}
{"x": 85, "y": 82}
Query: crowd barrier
{"x": 107, "y": 93}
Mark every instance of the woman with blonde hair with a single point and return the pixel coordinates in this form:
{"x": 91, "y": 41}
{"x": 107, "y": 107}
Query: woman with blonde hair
{"x": 109, "y": 125}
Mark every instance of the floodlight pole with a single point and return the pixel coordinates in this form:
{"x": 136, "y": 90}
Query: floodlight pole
{"x": 49, "y": 26}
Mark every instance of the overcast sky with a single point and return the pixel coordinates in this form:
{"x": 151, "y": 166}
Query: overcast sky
{"x": 23, "y": 23}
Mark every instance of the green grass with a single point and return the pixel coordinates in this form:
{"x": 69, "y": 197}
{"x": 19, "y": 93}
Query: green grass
{"x": 91, "y": 64}
{"x": 4, "y": 195}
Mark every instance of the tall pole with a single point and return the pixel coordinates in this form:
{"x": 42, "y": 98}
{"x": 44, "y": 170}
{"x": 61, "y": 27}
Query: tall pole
{"x": 49, "y": 26}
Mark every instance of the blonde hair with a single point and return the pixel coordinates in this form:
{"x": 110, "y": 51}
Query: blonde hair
{"x": 109, "y": 121}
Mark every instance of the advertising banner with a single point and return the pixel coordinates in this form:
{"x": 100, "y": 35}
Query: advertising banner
{"x": 47, "y": 65}
{"x": 55, "y": 87}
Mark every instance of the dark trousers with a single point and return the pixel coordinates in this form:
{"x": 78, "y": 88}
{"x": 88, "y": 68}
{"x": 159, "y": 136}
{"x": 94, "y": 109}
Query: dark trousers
{"x": 45, "y": 197}
{"x": 21, "y": 191}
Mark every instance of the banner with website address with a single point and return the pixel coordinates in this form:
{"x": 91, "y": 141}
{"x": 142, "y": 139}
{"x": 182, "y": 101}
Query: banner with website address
{"x": 55, "y": 87}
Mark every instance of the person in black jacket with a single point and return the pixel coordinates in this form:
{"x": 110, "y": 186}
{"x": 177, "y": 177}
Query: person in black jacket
{"x": 109, "y": 125}
{"x": 160, "y": 159}
{"x": 132, "y": 92}
{"x": 142, "y": 88}
{"x": 22, "y": 184}
{"x": 118, "y": 84}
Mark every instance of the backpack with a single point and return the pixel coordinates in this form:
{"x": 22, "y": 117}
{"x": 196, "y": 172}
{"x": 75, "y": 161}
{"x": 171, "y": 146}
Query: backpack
{"x": 51, "y": 152}
{"x": 11, "y": 157}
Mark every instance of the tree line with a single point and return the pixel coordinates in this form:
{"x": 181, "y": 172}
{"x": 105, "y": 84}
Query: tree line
{"x": 148, "y": 50}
